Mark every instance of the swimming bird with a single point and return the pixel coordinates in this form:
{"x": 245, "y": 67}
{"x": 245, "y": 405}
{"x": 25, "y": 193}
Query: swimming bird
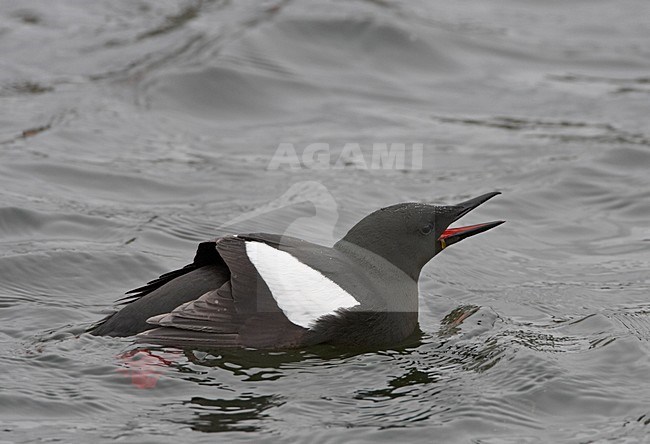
{"x": 270, "y": 291}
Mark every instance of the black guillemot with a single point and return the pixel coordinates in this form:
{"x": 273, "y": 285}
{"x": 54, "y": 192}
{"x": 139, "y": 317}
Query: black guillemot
{"x": 270, "y": 291}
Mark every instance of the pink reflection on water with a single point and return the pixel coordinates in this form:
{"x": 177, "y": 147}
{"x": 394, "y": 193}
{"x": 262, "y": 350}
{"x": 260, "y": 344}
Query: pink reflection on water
{"x": 145, "y": 366}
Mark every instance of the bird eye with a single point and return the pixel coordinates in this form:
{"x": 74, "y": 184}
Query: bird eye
{"x": 426, "y": 229}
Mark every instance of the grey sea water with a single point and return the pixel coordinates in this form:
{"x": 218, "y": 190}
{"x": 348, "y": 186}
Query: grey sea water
{"x": 132, "y": 130}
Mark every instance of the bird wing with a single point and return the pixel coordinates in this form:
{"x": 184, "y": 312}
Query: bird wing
{"x": 207, "y": 272}
{"x": 242, "y": 312}
{"x": 206, "y": 254}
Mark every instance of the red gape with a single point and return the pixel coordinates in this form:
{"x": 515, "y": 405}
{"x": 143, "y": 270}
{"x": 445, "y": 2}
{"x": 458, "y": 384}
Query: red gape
{"x": 451, "y": 231}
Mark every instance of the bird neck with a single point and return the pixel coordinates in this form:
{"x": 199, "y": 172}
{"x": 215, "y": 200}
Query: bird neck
{"x": 371, "y": 250}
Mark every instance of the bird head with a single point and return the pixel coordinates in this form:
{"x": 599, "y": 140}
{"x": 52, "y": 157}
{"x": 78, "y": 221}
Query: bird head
{"x": 409, "y": 235}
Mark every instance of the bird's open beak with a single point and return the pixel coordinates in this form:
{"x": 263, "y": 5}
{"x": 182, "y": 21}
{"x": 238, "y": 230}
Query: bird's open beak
{"x": 453, "y": 235}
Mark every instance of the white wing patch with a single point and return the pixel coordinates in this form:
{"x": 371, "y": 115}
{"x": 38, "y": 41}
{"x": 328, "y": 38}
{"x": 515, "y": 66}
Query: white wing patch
{"x": 302, "y": 293}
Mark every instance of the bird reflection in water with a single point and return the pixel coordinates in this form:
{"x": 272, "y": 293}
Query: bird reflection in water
{"x": 145, "y": 366}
